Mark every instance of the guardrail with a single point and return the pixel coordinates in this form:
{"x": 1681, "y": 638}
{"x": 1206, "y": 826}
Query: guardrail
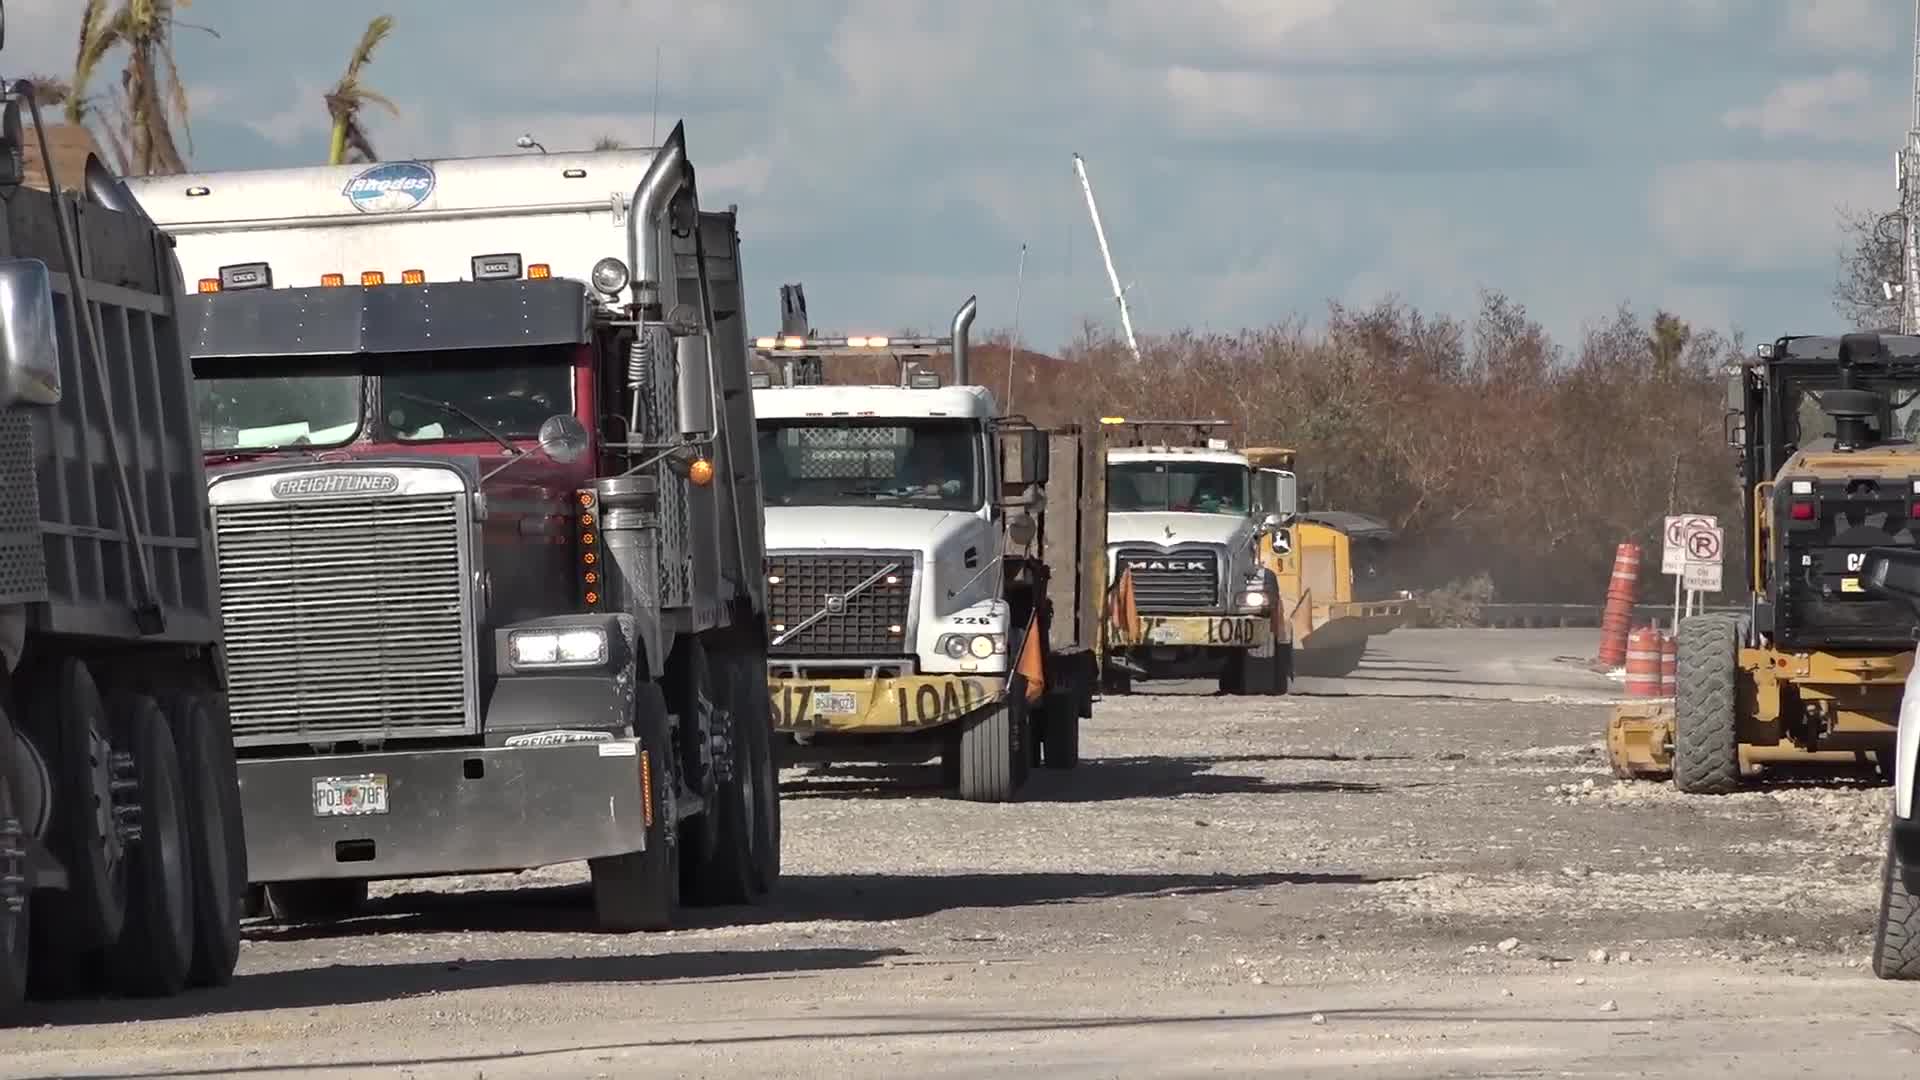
{"x": 1531, "y": 616}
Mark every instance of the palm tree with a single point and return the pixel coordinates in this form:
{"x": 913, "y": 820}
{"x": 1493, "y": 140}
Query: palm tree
{"x": 151, "y": 97}
{"x": 349, "y": 141}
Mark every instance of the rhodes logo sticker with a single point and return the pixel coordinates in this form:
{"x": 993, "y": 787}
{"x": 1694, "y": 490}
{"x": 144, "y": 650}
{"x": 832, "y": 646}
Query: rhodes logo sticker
{"x": 390, "y": 187}
{"x": 336, "y": 483}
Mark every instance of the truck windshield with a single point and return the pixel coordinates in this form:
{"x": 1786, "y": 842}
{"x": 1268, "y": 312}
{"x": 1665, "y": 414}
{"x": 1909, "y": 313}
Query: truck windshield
{"x": 1203, "y": 487}
{"x": 262, "y": 413}
{"x": 923, "y": 463}
{"x": 319, "y": 401}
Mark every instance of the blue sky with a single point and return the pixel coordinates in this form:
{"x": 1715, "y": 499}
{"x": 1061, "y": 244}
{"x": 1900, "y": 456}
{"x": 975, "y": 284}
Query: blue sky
{"x": 1252, "y": 158}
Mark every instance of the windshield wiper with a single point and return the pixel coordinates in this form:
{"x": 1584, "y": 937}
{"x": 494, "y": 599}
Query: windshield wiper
{"x": 454, "y": 410}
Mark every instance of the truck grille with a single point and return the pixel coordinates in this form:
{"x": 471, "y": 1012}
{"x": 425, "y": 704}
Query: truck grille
{"x": 1172, "y": 583}
{"x": 345, "y": 619}
{"x": 873, "y": 623}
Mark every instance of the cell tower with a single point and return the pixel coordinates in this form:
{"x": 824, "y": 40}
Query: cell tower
{"x": 1908, "y": 166}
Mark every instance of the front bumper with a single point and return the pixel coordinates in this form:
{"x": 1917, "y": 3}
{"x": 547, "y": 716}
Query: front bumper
{"x": 901, "y": 704}
{"x": 457, "y": 810}
{"x": 1202, "y": 631}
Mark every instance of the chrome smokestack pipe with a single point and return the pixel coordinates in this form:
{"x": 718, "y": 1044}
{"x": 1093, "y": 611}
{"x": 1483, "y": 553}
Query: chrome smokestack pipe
{"x": 962, "y": 321}
{"x": 666, "y": 175}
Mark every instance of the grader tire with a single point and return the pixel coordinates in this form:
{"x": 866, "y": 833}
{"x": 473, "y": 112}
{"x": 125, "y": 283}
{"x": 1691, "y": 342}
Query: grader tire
{"x": 1706, "y": 723}
{"x": 1896, "y": 935}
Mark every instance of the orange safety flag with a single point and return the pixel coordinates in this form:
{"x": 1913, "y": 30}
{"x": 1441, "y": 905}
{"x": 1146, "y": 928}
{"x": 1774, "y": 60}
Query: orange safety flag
{"x": 1121, "y": 609}
{"x": 1032, "y": 660}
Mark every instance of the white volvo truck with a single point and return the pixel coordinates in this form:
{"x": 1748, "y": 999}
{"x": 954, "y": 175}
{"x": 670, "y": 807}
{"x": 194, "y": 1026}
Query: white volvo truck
{"x": 1191, "y": 595}
{"x": 930, "y": 589}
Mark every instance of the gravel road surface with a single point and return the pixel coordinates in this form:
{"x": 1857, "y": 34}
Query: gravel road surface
{"x": 1421, "y": 870}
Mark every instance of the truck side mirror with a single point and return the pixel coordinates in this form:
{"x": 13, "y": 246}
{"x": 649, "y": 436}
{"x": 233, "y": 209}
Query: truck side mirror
{"x": 695, "y": 386}
{"x": 29, "y": 349}
{"x": 1736, "y": 429}
{"x": 1025, "y": 457}
{"x": 563, "y": 438}
{"x": 1893, "y": 574}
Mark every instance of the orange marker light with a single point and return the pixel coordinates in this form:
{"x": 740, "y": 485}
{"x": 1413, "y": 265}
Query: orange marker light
{"x": 373, "y": 277}
{"x": 209, "y": 284}
{"x": 588, "y": 558}
{"x": 413, "y": 277}
{"x": 700, "y": 472}
{"x": 586, "y": 521}
{"x": 586, "y": 498}
{"x": 592, "y": 598}
{"x": 333, "y": 280}
{"x": 538, "y": 271}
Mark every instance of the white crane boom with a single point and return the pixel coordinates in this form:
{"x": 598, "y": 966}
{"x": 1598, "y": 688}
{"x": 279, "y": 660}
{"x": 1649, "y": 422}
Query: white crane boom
{"x": 1100, "y": 234}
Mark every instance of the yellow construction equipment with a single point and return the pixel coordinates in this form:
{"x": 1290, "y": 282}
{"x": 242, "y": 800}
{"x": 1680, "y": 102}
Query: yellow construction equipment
{"x": 1328, "y": 566}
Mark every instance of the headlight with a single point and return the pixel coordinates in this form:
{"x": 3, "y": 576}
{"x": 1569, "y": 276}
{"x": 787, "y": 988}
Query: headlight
{"x": 610, "y": 275}
{"x": 557, "y": 648}
{"x": 1256, "y": 600}
{"x": 980, "y": 646}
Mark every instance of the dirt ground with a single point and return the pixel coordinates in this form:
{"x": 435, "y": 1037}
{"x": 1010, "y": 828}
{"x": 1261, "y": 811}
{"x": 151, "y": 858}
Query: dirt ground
{"x": 1422, "y": 870}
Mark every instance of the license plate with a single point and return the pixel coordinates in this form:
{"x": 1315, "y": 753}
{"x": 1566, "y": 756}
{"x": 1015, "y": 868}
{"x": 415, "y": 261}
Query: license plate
{"x": 339, "y": 796}
{"x": 840, "y": 703}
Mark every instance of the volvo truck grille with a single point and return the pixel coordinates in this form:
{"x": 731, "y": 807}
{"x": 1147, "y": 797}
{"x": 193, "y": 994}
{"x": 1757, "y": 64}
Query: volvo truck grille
{"x": 346, "y": 619}
{"x": 872, "y": 622}
{"x": 1172, "y": 583}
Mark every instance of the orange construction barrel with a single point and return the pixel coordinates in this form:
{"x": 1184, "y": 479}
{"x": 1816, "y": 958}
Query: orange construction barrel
{"x": 1643, "y": 663}
{"x": 1621, "y": 590}
{"x": 1669, "y": 665}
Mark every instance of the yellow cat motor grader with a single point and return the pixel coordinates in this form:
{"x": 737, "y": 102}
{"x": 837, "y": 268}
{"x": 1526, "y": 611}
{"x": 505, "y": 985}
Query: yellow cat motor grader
{"x": 1813, "y": 671}
{"x": 1329, "y": 564}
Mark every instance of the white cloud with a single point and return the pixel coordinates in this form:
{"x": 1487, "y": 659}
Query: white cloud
{"x": 1839, "y": 107}
{"x": 1759, "y": 215}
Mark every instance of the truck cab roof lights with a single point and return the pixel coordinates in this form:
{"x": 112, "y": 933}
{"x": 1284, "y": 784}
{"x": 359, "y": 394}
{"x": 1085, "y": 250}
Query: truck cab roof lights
{"x": 496, "y": 267}
{"x": 539, "y": 272}
{"x": 253, "y": 275}
{"x": 331, "y": 281}
{"x": 373, "y": 277}
{"x": 413, "y": 277}
{"x": 209, "y": 284}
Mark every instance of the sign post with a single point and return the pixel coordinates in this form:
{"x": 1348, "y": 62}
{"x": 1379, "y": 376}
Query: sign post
{"x": 1679, "y": 557}
{"x": 1705, "y": 544}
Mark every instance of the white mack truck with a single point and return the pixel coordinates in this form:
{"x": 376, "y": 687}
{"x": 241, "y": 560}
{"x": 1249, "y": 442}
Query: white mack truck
{"x": 1188, "y": 527}
{"x": 933, "y": 565}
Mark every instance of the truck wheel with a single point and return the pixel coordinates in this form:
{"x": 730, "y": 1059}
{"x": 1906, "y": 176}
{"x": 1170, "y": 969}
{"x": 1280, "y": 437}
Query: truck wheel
{"x": 1896, "y": 936}
{"x": 724, "y": 873}
{"x": 690, "y": 689}
{"x": 992, "y": 748}
{"x": 1116, "y": 680}
{"x": 1233, "y": 673}
{"x": 640, "y": 890}
{"x": 14, "y": 909}
{"x": 1706, "y": 731}
{"x": 1061, "y": 732}
{"x": 317, "y": 901}
{"x": 155, "y": 950}
{"x": 219, "y": 848}
{"x": 68, "y": 722}
{"x": 753, "y": 716}
{"x": 1266, "y": 671}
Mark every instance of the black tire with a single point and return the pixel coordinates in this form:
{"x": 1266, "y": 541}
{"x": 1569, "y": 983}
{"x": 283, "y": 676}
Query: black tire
{"x": 154, "y": 954}
{"x": 732, "y": 875}
{"x": 1896, "y": 935}
{"x": 1266, "y": 671}
{"x": 1233, "y": 673}
{"x": 640, "y": 890}
{"x": 1706, "y": 718}
{"x": 992, "y": 749}
{"x": 202, "y": 736}
{"x": 15, "y": 931}
{"x": 1116, "y": 680}
{"x": 253, "y": 903}
{"x": 1060, "y": 733}
{"x": 717, "y": 855}
{"x": 67, "y": 719}
{"x": 688, "y": 686}
{"x": 753, "y": 715}
{"x": 322, "y": 900}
